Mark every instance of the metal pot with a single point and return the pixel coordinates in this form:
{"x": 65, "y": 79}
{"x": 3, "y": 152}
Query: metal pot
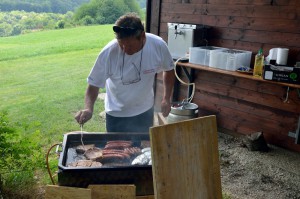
{"x": 182, "y": 111}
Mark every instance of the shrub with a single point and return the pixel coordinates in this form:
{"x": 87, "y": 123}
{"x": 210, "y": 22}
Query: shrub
{"x": 20, "y": 157}
{"x": 61, "y": 25}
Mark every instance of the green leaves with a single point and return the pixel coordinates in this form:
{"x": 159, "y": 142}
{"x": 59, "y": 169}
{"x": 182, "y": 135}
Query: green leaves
{"x": 105, "y": 11}
{"x": 6, "y": 132}
{"x": 18, "y": 151}
{"x": 18, "y": 22}
{"x": 55, "y": 6}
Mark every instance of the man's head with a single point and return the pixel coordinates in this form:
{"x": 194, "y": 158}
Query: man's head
{"x": 130, "y": 33}
{"x": 128, "y": 25}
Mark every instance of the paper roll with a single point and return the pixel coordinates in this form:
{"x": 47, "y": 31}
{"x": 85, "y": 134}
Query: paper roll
{"x": 282, "y": 56}
{"x": 272, "y": 54}
{"x": 278, "y": 54}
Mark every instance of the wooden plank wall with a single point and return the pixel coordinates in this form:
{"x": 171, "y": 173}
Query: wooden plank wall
{"x": 240, "y": 24}
{"x": 242, "y": 105}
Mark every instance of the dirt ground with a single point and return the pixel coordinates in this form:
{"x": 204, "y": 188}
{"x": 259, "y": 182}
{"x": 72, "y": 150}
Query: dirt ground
{"x": 258, "y": 175}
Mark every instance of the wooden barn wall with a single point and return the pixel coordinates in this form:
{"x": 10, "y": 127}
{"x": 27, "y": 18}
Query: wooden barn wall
{"x": 241, "y": 105}
{"x": 239, "y": 24}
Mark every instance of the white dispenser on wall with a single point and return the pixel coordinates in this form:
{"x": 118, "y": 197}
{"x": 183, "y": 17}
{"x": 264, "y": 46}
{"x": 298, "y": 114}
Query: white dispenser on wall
{"x": 183, "y": 36}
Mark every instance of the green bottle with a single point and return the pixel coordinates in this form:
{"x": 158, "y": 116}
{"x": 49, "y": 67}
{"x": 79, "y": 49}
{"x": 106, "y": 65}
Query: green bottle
{"x": 259, "y": 63}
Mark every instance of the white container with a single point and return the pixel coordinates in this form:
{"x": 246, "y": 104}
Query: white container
{"x": 230, "y": 59}
{"x": 201, "y": 55}
{"x": 180, "y": 38}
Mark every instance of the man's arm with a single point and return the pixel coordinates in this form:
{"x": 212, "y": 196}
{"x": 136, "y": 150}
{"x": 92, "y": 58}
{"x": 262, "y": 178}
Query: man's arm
{"x": 168, "y": 85}
{"x": 90, "y": 97}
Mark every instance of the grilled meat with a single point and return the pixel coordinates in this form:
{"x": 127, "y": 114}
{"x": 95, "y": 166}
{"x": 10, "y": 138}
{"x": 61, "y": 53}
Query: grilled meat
{"x": 118, "y": 144}
{"x": 85, "y": 163}
{"x": 94, "y": 154}
{"x": 81, "y": 149}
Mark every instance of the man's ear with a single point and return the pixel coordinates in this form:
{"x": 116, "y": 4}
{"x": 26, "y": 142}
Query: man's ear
{"x": 143, "y": 35}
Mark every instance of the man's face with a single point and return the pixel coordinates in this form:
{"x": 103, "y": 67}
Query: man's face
{"x": 131, "y": 45}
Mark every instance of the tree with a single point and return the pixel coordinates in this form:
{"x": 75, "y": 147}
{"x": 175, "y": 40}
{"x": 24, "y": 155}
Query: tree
{"x": 133, "y": 6}
{"x": 5, "y": 29}
{"x": 17, "y": 29}
{"x": 111, "y": 10}
{"x": 18, "y": 22}
{"x": 56, "y": 6}
{"x": 85, "y": 10}
{"x": 106, "y": 11}
{"x": 61, "y": 24}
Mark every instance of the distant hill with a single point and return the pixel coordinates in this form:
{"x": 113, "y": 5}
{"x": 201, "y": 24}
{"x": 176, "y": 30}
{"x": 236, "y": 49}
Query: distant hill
{"x": 53, "y": 6}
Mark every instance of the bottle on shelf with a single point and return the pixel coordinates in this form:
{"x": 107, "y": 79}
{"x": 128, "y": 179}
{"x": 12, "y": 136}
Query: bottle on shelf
{"x": 258, "y": 64}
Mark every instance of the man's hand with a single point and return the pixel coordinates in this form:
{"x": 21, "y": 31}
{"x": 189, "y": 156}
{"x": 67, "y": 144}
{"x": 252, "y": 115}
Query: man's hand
{"x": 83, "y": 116}
{"x": 165, "y": 107}
{"x": 86, "y": 114}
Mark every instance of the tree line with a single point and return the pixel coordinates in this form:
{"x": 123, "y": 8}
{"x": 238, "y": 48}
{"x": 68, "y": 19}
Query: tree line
{"x": 53, "y": 6}
{"x": 105, "y": 11}
{"x": 91, "y": 13}
{"x": 21, "y": 22}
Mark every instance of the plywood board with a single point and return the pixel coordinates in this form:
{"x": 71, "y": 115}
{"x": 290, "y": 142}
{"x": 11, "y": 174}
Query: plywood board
{"x": 145, "y": 197}
{"x": 161, "y": 119}
{"x": 61, "y": 192}
{"x": 185, "y": 159}
{"x": 113, "y": 191}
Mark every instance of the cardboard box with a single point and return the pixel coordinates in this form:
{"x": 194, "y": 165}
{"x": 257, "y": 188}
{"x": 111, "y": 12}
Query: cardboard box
{"x": 282, "y": 74}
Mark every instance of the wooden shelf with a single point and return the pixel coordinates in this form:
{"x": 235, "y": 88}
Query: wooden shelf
{"x": 234, "y": 73}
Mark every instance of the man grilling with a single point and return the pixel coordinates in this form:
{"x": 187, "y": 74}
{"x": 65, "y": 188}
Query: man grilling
{"x": 126, "y": 67}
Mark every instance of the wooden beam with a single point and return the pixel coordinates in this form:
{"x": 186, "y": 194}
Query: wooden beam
{"x": 61, "y": 192}
{"x": 112, "y": 191}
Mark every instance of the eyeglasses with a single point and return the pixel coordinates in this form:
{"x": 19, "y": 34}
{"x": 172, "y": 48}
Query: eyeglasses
{"x": 128, "y": 30}
{"x": 134, "y": 72}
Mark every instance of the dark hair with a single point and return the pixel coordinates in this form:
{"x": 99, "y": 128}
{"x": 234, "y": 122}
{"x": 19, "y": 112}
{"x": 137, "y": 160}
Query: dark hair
{"x": 128, "y": 25}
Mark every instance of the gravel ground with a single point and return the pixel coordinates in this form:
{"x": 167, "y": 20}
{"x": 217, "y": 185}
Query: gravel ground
{"x": 258, "y": 175}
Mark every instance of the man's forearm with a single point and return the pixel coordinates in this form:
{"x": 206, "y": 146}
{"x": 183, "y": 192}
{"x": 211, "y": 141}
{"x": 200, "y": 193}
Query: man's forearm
{"x": 90, "y": 97}
{"x": 168, "y": 81}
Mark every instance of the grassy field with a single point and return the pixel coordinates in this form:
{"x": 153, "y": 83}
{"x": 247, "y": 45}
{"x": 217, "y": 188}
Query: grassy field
{"x": 43, "y": 78}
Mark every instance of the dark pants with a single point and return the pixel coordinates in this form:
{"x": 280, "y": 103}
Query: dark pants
{"x": 139, "y": 123}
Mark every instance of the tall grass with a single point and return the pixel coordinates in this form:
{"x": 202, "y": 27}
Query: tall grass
{"x": 43, "y": 78}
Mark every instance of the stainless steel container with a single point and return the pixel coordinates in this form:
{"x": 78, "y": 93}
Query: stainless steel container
{"x": 182, "y": 111}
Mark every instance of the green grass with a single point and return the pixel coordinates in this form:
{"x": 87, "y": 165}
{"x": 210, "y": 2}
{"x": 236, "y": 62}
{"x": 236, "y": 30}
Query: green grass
{"x": 54, "y": 42}
{"x": 43, "y": 79}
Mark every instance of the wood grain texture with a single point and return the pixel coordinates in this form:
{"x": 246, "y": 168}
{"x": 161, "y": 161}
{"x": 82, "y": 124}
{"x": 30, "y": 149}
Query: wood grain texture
{"x": 155, "y": 17}
{"x": 145, "y": 197}
{"x": 245, "y": 25}
{"x": 61, "y": 192}
{"x": 185, "y": 159}
{"x": 113, "y": 191}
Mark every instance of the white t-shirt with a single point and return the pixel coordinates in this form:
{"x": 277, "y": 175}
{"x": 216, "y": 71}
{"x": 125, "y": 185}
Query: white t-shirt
{"x": 116, "y": 71}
